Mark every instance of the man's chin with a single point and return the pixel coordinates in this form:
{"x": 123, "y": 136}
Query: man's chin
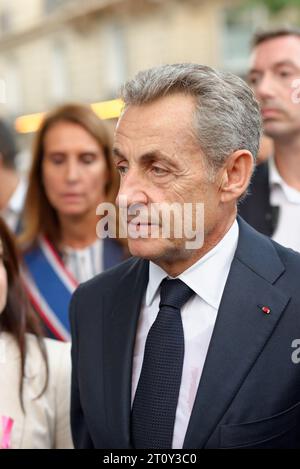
{"x": 274, "y": 129}
{"x": 147, "y": 248}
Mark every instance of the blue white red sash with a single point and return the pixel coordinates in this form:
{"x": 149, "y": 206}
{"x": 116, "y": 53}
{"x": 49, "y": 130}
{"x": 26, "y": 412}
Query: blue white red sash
{"x": 50, "y": 287}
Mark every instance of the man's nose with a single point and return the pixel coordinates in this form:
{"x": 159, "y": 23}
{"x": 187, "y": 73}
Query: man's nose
{"x": 132, "y": 189}
{"x": 265, "y": 88}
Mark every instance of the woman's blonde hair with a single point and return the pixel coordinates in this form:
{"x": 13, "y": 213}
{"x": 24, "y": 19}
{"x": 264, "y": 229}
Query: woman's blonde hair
{"x": 39, "y": 217}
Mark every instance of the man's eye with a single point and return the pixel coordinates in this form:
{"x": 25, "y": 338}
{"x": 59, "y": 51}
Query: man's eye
{"x": 122, "y": 170}
{"x": 159, "y": 171}
{"x": 253, "y": 80}
{"x": 284, "y": 73}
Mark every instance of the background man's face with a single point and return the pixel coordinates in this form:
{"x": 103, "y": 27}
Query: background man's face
{"x": 160, "y": 161}
{"x": 275, "y": 64}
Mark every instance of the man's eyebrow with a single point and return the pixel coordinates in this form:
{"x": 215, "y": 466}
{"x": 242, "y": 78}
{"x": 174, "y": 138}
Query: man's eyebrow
{"x": 117, "y": 153}
{"x": 284, "y": 63}
{"x": 154, "y": 155}
{"x": 281, "y": 63}
{"x": 253, "y": 70}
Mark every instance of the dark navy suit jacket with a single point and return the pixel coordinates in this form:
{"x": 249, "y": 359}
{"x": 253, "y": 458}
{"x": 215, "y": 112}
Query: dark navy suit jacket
{"x": 256, "y": 208}
{"x": 249, "y": 392}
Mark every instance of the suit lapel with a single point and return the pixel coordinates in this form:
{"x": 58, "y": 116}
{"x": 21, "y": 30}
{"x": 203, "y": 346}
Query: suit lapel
{"x": 120, "y": 323}
{"x": 112, "y": 253}
{"x": 240, "y": 332}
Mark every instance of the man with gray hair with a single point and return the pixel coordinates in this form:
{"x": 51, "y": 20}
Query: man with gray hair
{"x": 183, "y": 346}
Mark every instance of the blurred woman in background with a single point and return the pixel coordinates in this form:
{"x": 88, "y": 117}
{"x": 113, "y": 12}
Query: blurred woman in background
{"x": 72, "y": 172}
{"x": 34, "y": 372}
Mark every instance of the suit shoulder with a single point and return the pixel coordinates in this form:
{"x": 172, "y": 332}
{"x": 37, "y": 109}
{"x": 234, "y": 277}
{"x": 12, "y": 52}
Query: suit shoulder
{"x": 289, "y": 257}
{"x": 110, "y": 276}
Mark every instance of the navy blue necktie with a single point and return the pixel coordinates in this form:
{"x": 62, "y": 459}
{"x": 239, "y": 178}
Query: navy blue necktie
{"x": 156, "y": 398}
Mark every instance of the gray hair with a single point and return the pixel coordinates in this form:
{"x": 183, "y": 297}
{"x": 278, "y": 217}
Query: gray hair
{"x": 227, "y": 115}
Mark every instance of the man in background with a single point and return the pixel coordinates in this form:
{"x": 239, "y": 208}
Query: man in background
{"x": 12, "y": 186}
{"x": 273, "y": 206}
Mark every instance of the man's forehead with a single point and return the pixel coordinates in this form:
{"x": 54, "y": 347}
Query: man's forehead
{"x": 161, "y": 110}
{"x": 276, "y": 51}
{"x": 165, "y": 133}
{"x": 136, "y": 128}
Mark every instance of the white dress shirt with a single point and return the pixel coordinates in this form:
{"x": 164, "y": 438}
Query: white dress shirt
{"x": 207, "y": 277}
{"x": 287, "y": 198}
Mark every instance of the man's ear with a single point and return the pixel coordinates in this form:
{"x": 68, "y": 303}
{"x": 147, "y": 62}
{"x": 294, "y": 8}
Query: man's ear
{"x": 236, "y": 175}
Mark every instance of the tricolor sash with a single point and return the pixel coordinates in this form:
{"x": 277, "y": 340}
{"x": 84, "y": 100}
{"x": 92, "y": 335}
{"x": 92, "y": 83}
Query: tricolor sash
{"x": 49, "y": 286}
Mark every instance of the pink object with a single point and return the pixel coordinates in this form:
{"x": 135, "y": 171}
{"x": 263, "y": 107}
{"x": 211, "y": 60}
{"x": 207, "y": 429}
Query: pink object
{"x": 7, "y": 424}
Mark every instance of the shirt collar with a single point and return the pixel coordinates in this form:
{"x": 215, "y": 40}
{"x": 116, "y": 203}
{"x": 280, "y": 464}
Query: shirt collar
{"x": 15, "y": 203}
{"x": 207, "y": 277}
{"x": 275, "y": 179}
{"x": 274, "y": 176}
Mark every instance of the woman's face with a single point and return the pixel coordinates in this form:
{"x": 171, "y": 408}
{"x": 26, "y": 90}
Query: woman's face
{"x": 3, "y": 281}
{"x": 74, "y": 169}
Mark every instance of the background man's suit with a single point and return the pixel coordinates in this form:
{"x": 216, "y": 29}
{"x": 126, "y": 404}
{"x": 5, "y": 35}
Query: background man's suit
{"x": 256, "y": 208}
{"x": 249, "y": 393}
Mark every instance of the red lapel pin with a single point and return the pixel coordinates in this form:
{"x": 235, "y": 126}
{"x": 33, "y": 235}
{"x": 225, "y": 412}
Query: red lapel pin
{"x": 266, "y": 309}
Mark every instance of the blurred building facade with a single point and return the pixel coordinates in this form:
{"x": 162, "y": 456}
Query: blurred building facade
{"x": 59, "y": 50}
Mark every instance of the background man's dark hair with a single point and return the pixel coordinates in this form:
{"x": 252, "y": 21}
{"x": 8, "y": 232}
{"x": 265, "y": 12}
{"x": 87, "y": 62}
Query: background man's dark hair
{"x": 262, "y": 36}
{"x": 8, "y": 147}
